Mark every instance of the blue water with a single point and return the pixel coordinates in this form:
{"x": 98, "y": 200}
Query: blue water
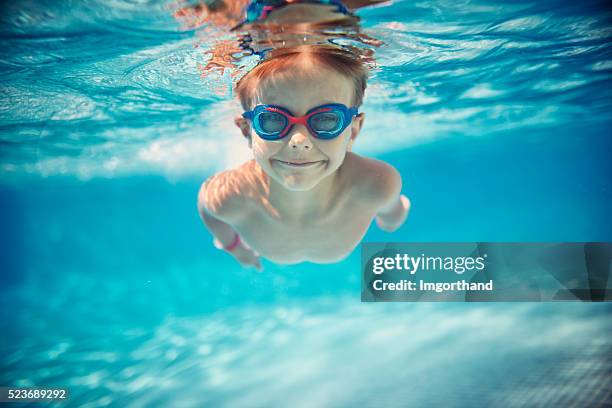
{"x": 496, "y": 115}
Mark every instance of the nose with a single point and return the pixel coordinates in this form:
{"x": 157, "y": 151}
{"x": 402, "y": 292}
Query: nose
{"x": 299, "y": 138}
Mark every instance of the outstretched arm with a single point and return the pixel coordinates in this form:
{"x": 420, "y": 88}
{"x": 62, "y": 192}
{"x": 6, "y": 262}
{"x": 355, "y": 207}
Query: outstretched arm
{"x": 227, "y": 238}
{"x": 394, "y": 206}
{"x": 217, "y": 209}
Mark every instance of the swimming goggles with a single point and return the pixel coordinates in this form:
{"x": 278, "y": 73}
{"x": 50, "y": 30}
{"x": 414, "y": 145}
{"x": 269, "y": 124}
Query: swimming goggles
{"x": 327, "y": 121}
{"x": 258, "y": 10}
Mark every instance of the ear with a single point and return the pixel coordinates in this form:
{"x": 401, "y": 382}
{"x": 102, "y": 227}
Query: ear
{"x": 355, "y": 129}
{"x": 244, "y": 126}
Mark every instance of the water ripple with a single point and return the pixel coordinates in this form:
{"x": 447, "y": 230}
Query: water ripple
{"x": 267, "y": 355}
{"x": 89, "y": 85}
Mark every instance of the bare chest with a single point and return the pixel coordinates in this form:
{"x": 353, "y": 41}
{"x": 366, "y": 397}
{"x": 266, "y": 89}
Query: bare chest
{"x": 324, "y": 239}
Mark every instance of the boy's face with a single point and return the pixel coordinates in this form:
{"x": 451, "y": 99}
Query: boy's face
{"x": 299, "y": 93}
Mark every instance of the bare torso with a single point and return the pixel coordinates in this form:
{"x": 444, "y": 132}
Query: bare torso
{"x": 325, "y": 237}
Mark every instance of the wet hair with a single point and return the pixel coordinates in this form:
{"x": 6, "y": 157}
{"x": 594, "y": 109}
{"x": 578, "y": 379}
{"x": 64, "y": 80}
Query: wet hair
{"x": 284, "y": 62}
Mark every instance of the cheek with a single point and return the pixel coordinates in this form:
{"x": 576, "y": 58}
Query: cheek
{"x": 336, "y": 149}
{"x": 264, "y": 149}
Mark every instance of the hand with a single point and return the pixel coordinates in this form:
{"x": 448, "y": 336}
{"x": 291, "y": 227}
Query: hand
{"x": 246, "y": 256}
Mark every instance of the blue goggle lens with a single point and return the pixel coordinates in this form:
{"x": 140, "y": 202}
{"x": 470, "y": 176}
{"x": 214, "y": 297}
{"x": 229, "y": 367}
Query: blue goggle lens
{"x": 271, "y": 123}
{"x": 326, "y": 123}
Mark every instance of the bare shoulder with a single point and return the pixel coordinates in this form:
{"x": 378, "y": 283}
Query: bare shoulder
{"x": 379, "y": 182}
{"x": 225, "y": 194}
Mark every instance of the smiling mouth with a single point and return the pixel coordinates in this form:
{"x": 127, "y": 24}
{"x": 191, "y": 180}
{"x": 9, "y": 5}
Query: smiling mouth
{"x": 299, "y": 164}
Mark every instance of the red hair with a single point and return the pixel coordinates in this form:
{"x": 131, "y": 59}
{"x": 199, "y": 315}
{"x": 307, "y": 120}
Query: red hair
{"x": 333, "y": 58}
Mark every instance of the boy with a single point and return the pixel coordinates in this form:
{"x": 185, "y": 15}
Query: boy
{"x": 305, "y": 196}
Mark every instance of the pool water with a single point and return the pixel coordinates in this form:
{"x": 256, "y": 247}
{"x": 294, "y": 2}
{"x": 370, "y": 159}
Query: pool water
{"x": 497, "y": 116}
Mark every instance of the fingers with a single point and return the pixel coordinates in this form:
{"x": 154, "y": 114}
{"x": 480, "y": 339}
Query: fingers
{"x": 256, "y": 263}
{"x": 250, "y": 260}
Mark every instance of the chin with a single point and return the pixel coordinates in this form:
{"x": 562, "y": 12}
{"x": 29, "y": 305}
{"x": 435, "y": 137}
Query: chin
{"x": 299, "y": 185}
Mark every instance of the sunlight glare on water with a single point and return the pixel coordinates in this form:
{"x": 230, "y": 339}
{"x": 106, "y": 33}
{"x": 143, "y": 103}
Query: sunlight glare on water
{"x": 99, "y": 89}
